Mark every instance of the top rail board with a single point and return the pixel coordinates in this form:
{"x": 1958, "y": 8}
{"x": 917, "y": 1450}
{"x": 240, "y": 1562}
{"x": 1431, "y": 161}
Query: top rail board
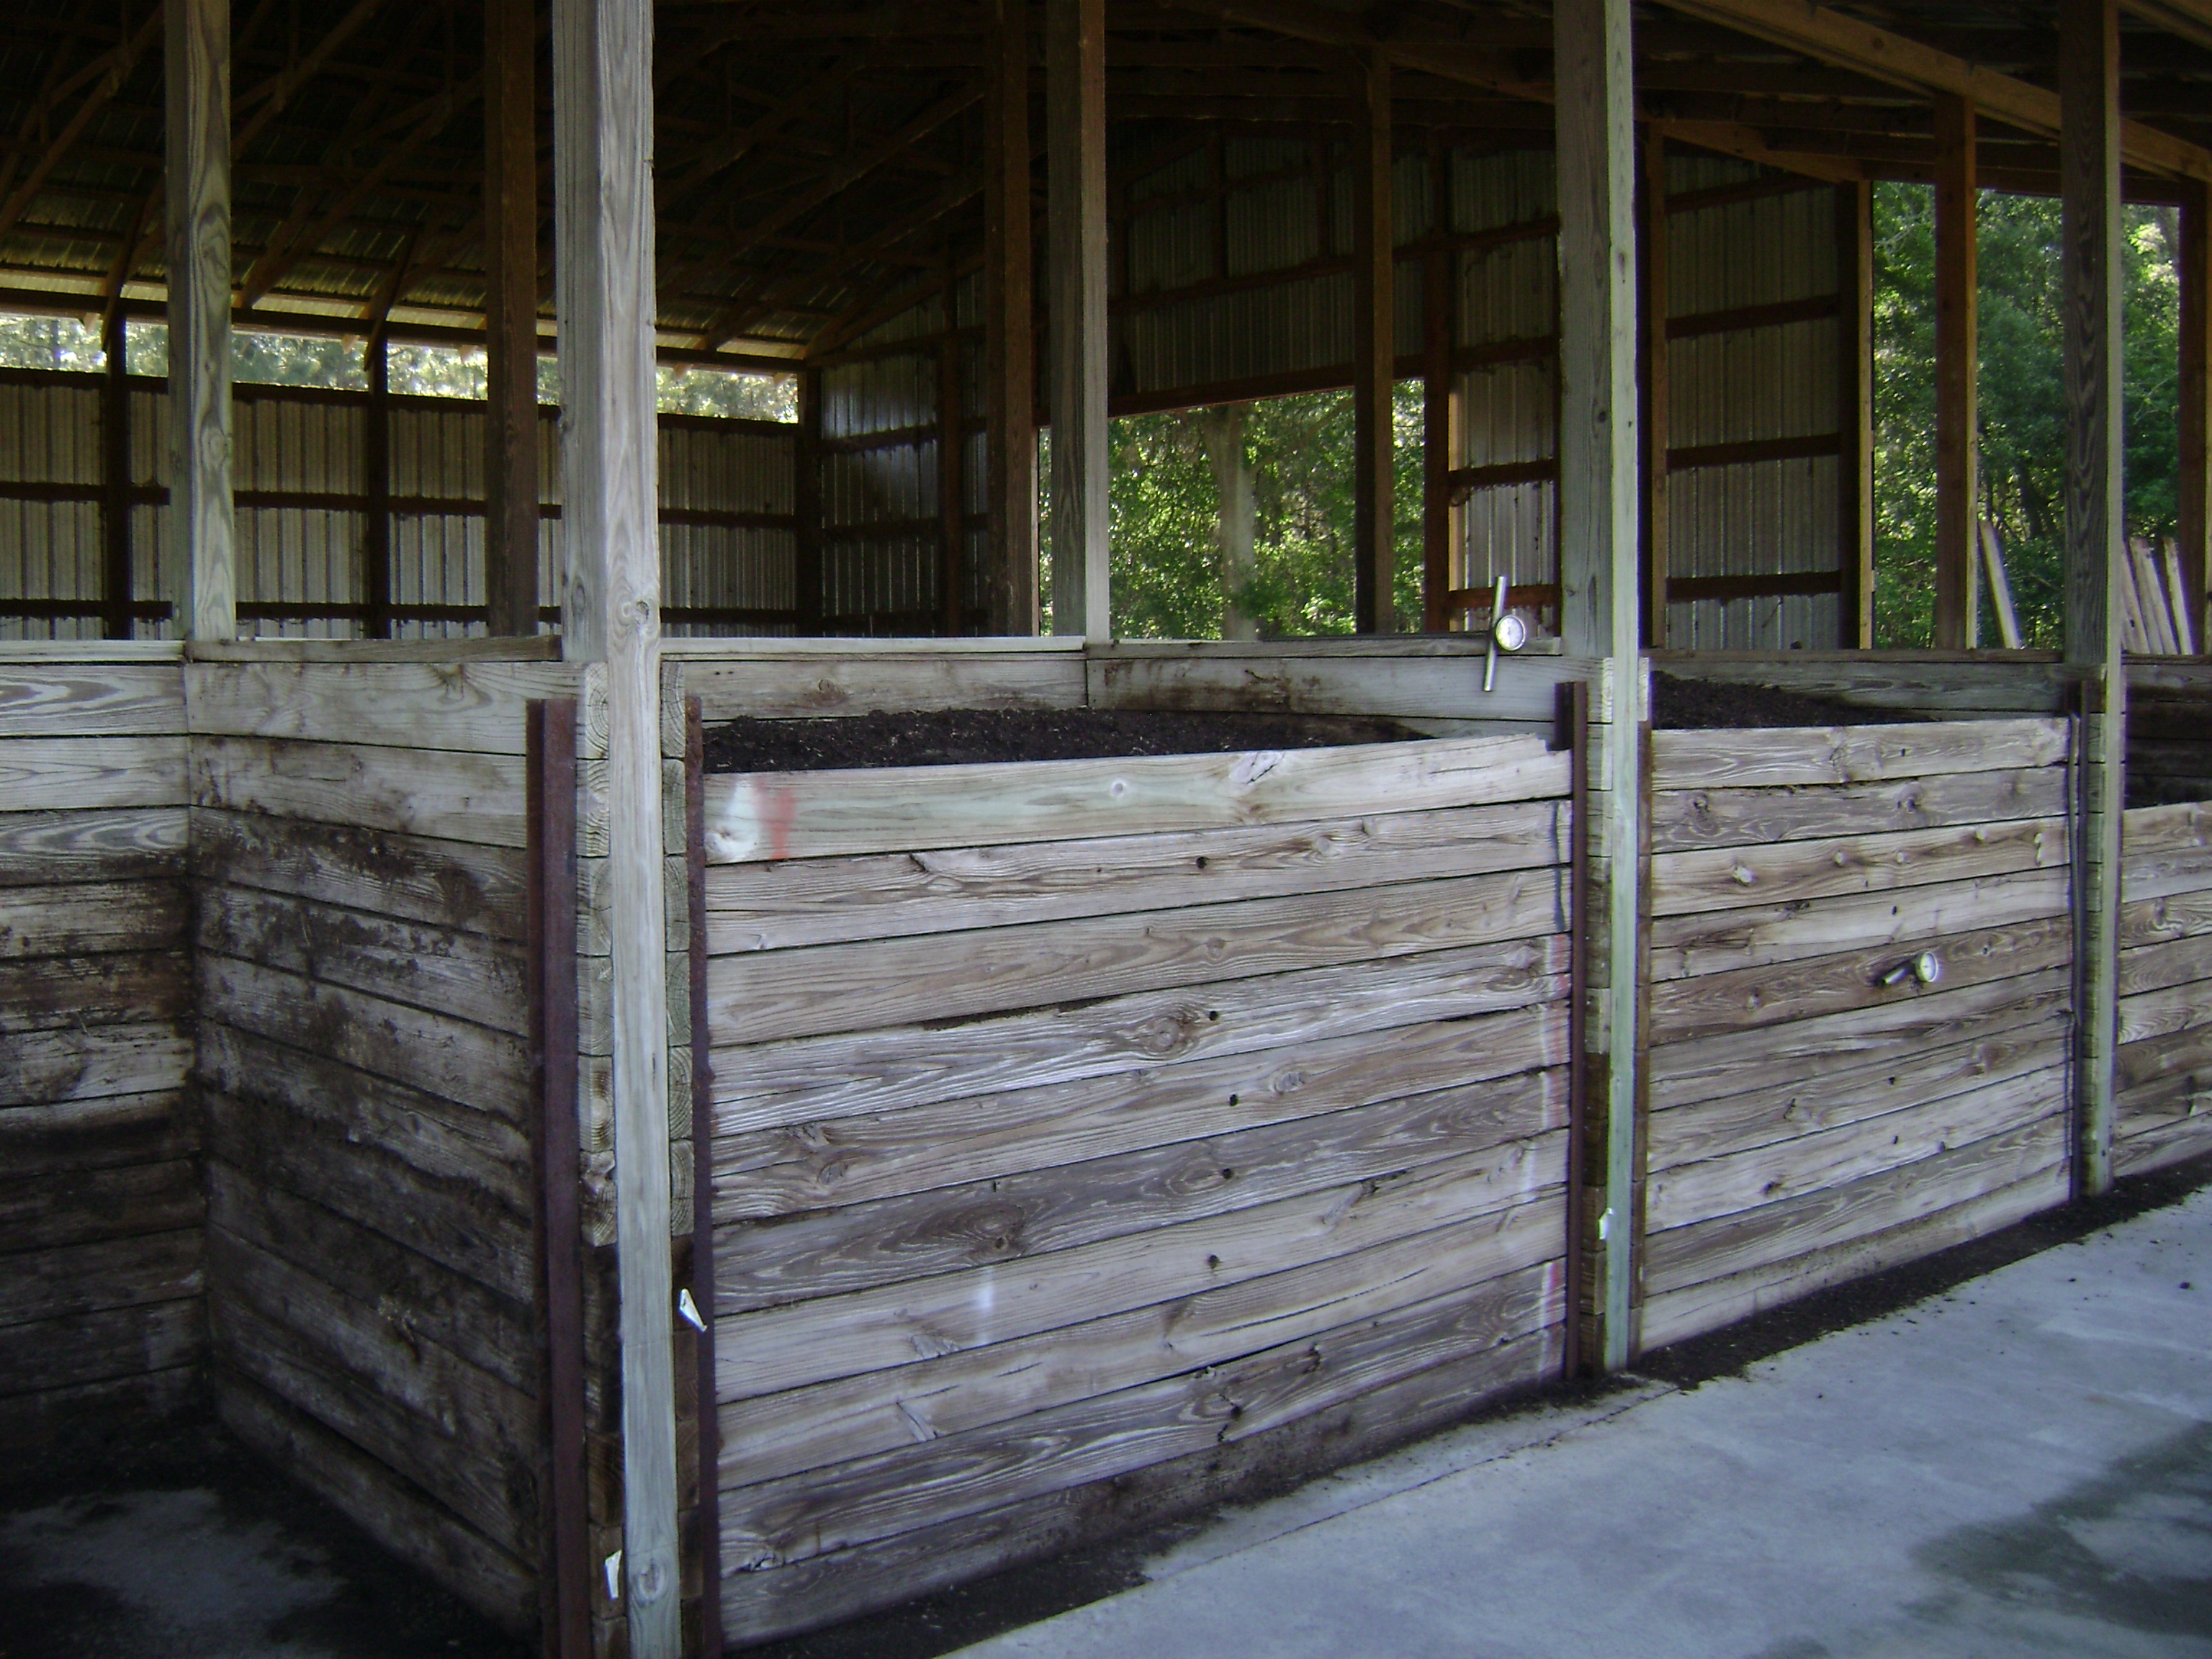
{"x": 1799, "y": 756}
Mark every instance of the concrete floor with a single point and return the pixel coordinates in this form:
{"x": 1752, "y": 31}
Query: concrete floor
{"x": 2020, "y": 1467}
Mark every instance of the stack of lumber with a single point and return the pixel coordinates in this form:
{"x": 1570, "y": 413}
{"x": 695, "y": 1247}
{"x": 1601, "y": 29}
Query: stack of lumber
{"x": 2162, "y": 1104}
{"x": 1815, "y": 1114}
{"x": 367, "y": 1073}
{"x": 1094, "y": 1138}
{"x": 101, "y": 1316}
{"x": 2154, "y": 612}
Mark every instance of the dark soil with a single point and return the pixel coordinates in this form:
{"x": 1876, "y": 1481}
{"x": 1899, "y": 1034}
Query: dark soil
{"x": 953, "y": 737}
{"x": 1681, "y": 705}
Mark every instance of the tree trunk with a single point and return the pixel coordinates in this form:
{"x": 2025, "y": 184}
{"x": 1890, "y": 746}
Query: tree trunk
{"x": 1222, "y": 430}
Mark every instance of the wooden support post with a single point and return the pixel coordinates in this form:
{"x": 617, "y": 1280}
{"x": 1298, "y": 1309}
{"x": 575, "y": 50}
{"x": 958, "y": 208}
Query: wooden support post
{"x": 117, "y": 618}
{"x": 1075, "y": 144}
{"x": 376, "y": 484}
{"x": 2195, "y": 392}
{"x": 1855, "y": 414}
{"x": 807, "y": 504}
{"x": 951, "y": 473}
{"x": 1654, "y": 365}
{"x": 1009, "y": 324}
{"x": 1598, "y": 505}
{"x": 1440, "y": 400}
{"x": 2089, "y": 180}
{"x": 198, "y": 197}
{"x": 1957, "y": 354}
{"x": 510, "y": 206}
{"x": 1374, "y": 356}
{"x": 603, "y": 148}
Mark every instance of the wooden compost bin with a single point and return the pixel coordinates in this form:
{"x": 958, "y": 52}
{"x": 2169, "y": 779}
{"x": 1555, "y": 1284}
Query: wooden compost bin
{"x": 1093, "y": 1138}
{"x": 1811, "y": 1120}
{"x": 2162, "y": 1095}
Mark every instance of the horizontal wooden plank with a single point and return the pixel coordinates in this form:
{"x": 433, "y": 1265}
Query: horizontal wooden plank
{"x": 530, "y": 648}
{"x": 844, "y": 987}
{"x": 1671, "y": 1316}
{"x": 86, "y": 774}
{"x": 2165, "y": 921}
{"x": 433, "y": 793}
{"x": 476, "y": 706}
{"x": 470, "y": 1065}
{"x": 767, "y": 1526}
{"x": 1962, "y": 686}
{"x": 123, "y": 844}
{"x": 460, "y": 1434}
{"x": 44, "y": 994}
{"x": 79, "y": 1349}
{"x": 127, "y": 1271}
{"x": 40, "y": 1068}
{"x": 1795, "y": 873}
{"x": 1723, "y": 941}
{"x": 391, "y": 1510}
{"x": 54, "y": 1210}
{"x": 1682, "y": 819}
{"x": 1768, "y": 757}
{"x": 849, "y": 1076}
{"x": 1290, "y": 680}
{"x": 95, "y": 1134}
{"x": 1746, "y": 999}
{"x": 2174, "y": 961}
{"x": 52, "y": 654}
{"x": 805, "y": 815}
{"x": 453, "y": 884}
{"x": 1723, "y": 1246}
{"x": 1830, "y": 1157}
{"x": 1781, "y": 1111}
{"x": 85, "y": 918}
{"x": 444, "y": 969}
{"x": 808, "y": 686}
{"x": 2146, "y": 1062}
{"x": 2175, "y": 1140}
{"x": 787, "y": 1347}
{"x": 143, "y": 699}
{"x": 1004, "y": 1218}
{"x": 769, "y": 906}
{"x": 2183, "y": 828}
{"x": 856, "y": 1160}
{"x": 952, "y": 1394}
{"x": 2170, "y": 1011}
{"x": 1709, "y": 1067}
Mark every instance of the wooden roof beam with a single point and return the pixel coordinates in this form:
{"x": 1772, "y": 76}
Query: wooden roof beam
{"x": 2185, "y": 20}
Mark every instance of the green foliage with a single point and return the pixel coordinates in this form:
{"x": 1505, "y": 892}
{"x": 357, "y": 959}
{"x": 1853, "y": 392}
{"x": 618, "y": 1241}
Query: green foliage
{"x": 2022, "y": 401}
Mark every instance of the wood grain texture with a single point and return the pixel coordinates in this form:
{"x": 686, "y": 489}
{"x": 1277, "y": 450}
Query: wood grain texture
{"x": 85, "y": 919}
{"x": 1075, "y": 149}
{"x": 2167, "y": 1011}
{"x": 781, "y": 1348}
{"x": 1798, "y": 757}
{"x": 843, "y": 1075}
{"x": 439, "y": 793}
{"x": 53, "y": 1210}
{"x": 1686, "y": 819}
{"x": 833, "y": 1161}
{"x": 449, "y": 884}
{"x": 471, "y": 705}
{"x": 69, "y": 845}
{"x": 1307, "y": 677}
{"x": 40, "y": 1068}
{"x": 81, "y": 773}
{"x": 67, "y": 699}
{"x": 1951, "y": 685}
{"x": 110, "y": 1345}
{"x": 2175, "y": 1140}
{"x": 753, "y": 906}
{"x": 117, "y": 1130}
{"x": 128, "y": 1272}
{"x": 2162, "y": 920}
{"x": 79, "y": 993}
{"x": 843, "y": 987}
{"x": 2151, "y": 1063}
{"x": 814, "y": 686}
{"x": 1795, "y": 872}
{"x": 2158, "y": 967}
{"x": 1746, "y": 999}
{"x": 798, "y": 815}
{"x": 197, "y": 67}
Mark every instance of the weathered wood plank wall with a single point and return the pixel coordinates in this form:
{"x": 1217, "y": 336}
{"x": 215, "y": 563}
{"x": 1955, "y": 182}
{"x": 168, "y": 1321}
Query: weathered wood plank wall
{"x": 2162, "y": 1094}
{"x": 1811, "y": 1122}
{"x": 1079, "y": 1169}
{"x": 102, "y": 1317}
{"x": 359, "y": 835}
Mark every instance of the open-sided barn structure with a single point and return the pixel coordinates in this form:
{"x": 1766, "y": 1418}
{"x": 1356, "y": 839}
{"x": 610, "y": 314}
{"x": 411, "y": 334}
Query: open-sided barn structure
{"x": 676, "y": 1209}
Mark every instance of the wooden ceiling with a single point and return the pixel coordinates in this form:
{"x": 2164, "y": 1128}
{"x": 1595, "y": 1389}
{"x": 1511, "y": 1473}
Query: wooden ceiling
{"x": 812, "y": 159}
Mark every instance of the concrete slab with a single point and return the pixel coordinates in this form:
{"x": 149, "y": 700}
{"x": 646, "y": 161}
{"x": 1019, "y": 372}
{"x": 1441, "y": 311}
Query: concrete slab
{"x": 2020, "y": 1467}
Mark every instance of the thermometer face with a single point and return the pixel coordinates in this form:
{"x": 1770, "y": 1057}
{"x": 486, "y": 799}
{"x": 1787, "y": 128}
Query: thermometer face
{"x": 1511, "y": 632}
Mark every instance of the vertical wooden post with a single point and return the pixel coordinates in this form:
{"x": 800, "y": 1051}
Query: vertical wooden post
{"x": 603, "y": 148}
{"x": 2195, "y": 392}
{"x": 952, "y": 473}
{"x": 1374, "y": 357}
{"x": 1655, "y": 364}
{"x": 1855, "y": 414}
{"x": 117, "y": 618}
{"x": 2089, "y": 180}
{"x": 1009, "y": 323}
{"x": 1075, "y": 143}
{"x": 806, "y": 503}
{"x": 1440, "y": 402}
{"x": 198, "y": 198}
{"x": 1957, "y": 354}
{"x": 376, "y": 483}
{"x": 1598, "y": 505}
{"x": 510, "y": 204}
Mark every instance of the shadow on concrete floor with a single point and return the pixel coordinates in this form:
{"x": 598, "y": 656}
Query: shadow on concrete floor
{"x": 194, "y": 1548}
